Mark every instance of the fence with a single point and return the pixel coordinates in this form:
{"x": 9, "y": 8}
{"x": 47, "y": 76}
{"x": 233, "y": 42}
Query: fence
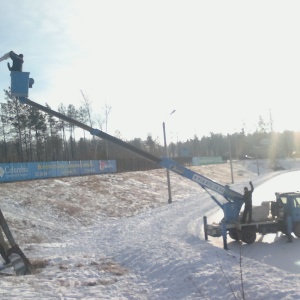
{"x": 41, "y": 170}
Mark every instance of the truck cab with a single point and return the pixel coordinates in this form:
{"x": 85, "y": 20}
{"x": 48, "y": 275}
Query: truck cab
{"x": 287, "y": 206}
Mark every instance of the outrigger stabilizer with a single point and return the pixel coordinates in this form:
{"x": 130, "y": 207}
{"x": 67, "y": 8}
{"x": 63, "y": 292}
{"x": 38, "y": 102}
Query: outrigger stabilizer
{"x": 12, "y": 254}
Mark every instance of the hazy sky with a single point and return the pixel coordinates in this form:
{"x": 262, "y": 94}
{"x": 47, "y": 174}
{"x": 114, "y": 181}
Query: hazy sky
{"x": 220, "y": 64}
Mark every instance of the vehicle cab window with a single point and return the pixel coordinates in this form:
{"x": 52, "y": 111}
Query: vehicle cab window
{"x": 297, "y": 202}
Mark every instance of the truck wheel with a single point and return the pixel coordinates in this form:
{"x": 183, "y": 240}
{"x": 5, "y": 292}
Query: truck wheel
{"x": 297, "y": 230}
{"x": 234, "y": 234}
{"x": 248, "y": 235}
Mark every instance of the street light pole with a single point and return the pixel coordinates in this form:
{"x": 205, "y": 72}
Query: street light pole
{"x": 166, "y": 153}
{"x": 168, "y": 173}
{"x": 257, "y": 164}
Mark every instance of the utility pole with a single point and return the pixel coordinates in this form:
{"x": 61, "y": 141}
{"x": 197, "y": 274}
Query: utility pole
{"x": 168, "y": 173}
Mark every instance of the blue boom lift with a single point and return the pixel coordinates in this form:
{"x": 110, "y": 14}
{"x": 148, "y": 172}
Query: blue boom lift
{"x": 273, "y": 216}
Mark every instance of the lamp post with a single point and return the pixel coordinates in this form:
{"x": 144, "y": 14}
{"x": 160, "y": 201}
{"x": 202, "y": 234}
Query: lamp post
{"x": 166, "y": 153}
{"x": 257, "y": 164}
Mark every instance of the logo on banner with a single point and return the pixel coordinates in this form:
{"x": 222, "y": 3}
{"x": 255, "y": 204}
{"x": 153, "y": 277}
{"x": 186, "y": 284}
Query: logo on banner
{"x": 104, "y": 164}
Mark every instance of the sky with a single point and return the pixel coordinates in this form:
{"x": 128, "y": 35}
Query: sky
{"x": 121, "y": 246}
{"x": 220, "y": 65}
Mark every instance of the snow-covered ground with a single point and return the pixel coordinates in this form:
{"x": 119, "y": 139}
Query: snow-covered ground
{"x": 114, "y": 236}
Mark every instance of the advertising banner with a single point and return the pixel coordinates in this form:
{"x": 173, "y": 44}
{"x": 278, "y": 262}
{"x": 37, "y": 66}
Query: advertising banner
{"x": 41, "y": 170}
{"x": 199, "y": 161}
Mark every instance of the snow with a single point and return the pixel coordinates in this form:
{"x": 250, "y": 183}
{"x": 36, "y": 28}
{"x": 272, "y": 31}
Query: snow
{"x": 114, "y": 236}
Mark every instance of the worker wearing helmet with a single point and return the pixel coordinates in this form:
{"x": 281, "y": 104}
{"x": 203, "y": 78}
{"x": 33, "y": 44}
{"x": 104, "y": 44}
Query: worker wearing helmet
{"x": 17, "y": 62}
{"x": 248, "y": 204}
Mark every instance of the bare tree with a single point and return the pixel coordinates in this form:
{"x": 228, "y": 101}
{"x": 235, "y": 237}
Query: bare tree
{"x": 100, "y": 122}
{"x": 61, "y": 125}
{"x": 107, "y": 109}
{"x": 73, "y": 114}
{"x": 87, "y": 105}
{"x": 3, "y": 131}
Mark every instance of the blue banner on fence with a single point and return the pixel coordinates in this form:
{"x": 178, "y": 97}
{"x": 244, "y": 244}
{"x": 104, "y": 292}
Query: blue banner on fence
{"x": 39, "y": 170}
{"x": 198, "y": 161}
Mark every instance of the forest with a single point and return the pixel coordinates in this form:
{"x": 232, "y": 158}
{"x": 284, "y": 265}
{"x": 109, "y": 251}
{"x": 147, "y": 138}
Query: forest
{"x": 28, "y": 135}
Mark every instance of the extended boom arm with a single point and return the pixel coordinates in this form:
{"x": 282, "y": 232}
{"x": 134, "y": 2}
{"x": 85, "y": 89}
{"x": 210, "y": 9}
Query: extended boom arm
{"x": 204, "y": 182}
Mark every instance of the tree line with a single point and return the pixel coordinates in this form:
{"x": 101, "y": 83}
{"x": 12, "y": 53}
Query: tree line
{"x": 27, "y": 135}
